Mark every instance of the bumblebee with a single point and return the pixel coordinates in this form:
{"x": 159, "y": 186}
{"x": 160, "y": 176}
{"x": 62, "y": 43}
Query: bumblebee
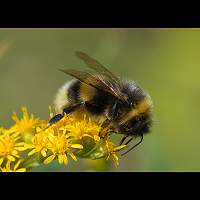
{"x": 122, "y": 104}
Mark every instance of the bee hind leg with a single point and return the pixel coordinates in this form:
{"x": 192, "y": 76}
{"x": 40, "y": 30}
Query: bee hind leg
{"x": 55, "y": 119}
{"x": 72, "y": 108}
{"x": 67, "y": 110}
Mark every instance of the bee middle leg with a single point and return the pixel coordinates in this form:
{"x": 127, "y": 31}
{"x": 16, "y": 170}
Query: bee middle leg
{"x": 67, "y": 110}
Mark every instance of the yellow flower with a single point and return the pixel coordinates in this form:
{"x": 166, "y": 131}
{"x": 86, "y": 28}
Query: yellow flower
{"x": 75, "y": 135}
{"x": 27, "y": 124}
{"x": 16, "y": 168}
{"x": 39, "y": 143}
{"x": 79, "y": 125}
{"x": 60, "y": 147}
{"x": 112, "y": 150}
{"x": 80, "y": 128}
{"x": 10, "y": 147}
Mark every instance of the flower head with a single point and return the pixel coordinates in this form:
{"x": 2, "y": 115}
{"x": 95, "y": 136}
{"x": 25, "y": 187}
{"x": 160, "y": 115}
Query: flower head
{"x": 10, "y": 146}
{"x": 53, "y": 142}
{"x": 85, "y": 127}
{"x": 15, "y": 167}
{"x": 75, "y": 136}
{"x": 39, "y": 143}
{"x": 60, "y": 147}
{"x": 111, "y": 150}
{"x": 27, "y": 124}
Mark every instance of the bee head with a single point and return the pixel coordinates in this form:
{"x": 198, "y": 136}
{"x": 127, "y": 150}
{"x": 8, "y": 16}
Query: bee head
{"x": 136, "y": 126}
{"x": 138, "y": 119}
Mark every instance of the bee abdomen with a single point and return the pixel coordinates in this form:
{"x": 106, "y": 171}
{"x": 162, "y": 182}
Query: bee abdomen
{"x": 99, "y": 103}
{"x": 67, "y": 95}
{"x": 74, "y": 91}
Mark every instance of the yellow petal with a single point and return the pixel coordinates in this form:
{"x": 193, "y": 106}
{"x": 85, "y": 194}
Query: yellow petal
{"x": 65, "y": 160}
{"x": 38, "y": 129}
{"x": 68, "y": 135}
{"x": 1, "y": 160}
{"x": 17, "y": 165}
{"x": 8, "y": 165}
{"x": 21, "y": 148}
{"x": 87, "y": 135}
{"x": 21, "y": 170}
{"x": 14, "y": 152}
{"x": 60, "y": 159}
{"x": 21, "y": 144}
{"x": 73, "y": 156}
{"x": 25, "y": 112}
{"x": 77, "y": 146}
{"x": 11, "y": 158}
{"x": 17, "y": 138}
{"x": 115, "y": 157}
{"x": 43, "y": 152}
{"x": 49, "y": 159}
{"x": 108, "y": 157}
{"x": 14, "y": 117}
{"x": 51, "y": 138}
{"x": 29, "y": 146}
{"x": 32, "y": 152}
{"x": 15, "y": 135}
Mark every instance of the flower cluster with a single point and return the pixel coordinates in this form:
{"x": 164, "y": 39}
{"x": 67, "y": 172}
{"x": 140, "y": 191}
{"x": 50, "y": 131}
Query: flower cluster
{"x": 31, "y": 141}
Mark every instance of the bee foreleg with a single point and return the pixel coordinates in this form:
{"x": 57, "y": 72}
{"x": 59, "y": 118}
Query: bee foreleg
{"x": 123, "y": 139}
{"x": 132, "y": 146}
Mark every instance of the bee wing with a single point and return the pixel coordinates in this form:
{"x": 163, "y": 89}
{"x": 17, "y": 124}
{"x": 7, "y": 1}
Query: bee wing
{"x": 95, "y": 65}
{"x": 95, "y": 80}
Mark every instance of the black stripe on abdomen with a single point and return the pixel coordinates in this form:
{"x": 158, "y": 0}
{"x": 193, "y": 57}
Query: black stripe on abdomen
{"x": 74, "y": 91}
{"x": 99, "y": 103}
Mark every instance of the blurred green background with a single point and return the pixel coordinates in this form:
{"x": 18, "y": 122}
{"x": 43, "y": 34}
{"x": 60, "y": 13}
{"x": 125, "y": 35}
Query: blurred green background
{"x": 165, "y": 62}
